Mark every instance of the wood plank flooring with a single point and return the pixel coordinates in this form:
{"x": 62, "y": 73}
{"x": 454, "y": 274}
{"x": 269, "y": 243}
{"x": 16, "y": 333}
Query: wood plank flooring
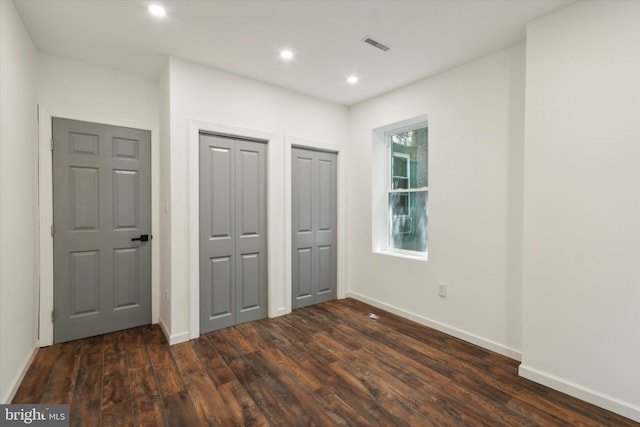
{"x": 325, "y": 365}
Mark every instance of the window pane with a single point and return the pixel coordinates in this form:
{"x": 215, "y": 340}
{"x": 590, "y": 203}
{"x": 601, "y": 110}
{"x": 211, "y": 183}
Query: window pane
{"x": 400, "y": 166}
{"x": 400, "y": 170}
{"x": 409, "y": 157}
{"x": 400, "y": 183}
{"x": 408, "y": 221}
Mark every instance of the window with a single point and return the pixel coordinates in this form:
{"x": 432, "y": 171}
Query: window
{"x": 400, "y": 188}
{"x": 407, "y": 189}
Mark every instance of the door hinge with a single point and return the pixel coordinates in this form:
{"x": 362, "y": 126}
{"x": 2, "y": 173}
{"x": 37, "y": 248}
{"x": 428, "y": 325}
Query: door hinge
{"x": 53, "y": 315}
{"x": 51, "y": 230}
{"x": 51, "y": 144}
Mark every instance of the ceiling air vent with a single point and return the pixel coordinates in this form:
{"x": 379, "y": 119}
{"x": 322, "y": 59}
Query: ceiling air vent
{"x": 375, "y": 43}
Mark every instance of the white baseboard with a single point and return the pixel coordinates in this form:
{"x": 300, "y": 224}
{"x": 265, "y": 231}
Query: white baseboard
{"x": 178, "y": 338}
{"x": 610, "y": 403}
{"x": 15, "y": 384}
{"x": 164, "y": 329}
{"x": 279, "y": 312}
{"x": 175, "y": 338}
{"x": 450, "y": 330}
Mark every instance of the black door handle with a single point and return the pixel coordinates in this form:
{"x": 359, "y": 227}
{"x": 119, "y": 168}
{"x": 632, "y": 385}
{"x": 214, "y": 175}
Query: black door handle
{"x": 142, "y": 238}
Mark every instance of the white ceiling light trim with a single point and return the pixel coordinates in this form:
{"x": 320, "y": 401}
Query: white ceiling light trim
{"x": 353, "y": 79}
{"x": 286, "y": 54}
{"x": 157, "y": 10}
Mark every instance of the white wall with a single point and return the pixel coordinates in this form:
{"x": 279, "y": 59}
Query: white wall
{"x": 77, "y": 90}
{"x": 19, "y": 197}
{"x": 475, "y": 115}
{"x": 75, "y": 86}
{"x": 582, "y": 204}
{"x": 241, "y": 105}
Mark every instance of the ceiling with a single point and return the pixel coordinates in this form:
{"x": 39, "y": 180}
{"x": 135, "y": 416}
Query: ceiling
{"x": 244, "y": 37}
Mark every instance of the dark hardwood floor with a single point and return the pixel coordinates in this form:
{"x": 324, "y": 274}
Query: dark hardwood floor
{"x": 324, "y": 365}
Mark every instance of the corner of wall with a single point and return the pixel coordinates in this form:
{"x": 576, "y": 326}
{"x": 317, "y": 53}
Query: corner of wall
{"x": 19, "y": 193}
{"x": 172, "y": 338}
{"x": 581, "y": 203}
{"x": 442, "y": 327}
{"x": 618, "y": 406}
{"x": 15, "y": 382}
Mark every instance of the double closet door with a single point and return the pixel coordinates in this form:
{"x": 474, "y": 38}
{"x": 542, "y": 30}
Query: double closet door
{"x": 314, "y": 226}
{"x": 233, "y": 231}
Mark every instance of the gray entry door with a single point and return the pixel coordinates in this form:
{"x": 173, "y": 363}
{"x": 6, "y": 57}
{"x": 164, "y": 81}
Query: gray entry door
{"x": 233, "y": 231}
{"x": 314, "y": 226}
{"x": 101, "y": 201}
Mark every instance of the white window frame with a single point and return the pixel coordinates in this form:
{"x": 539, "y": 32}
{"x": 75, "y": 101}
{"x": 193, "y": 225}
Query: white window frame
{"x": 383, "y": 156}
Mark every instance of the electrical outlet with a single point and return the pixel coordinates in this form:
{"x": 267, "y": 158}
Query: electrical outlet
{"x": 442, "y": 290}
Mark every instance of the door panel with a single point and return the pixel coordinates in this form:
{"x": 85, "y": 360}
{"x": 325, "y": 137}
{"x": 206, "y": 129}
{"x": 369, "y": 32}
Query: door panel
{"x": 126, "y": 148}
{"x": 221, "y": 191}
{"x": 249, "y": 192}
{"x": 303, "y": 199}
{"x": 222, "y": 294}
{"x": 251, "y": 231}
{"x": 249, "y": 281}
{"x": 325, "y": 269}
{"x": 314, "y": 219}
{"x": 326, "y": 234}
{"x": 233, "y": 224}
{"x": 83, "y": 198}
{"x": 102, "y": 199}
{"x": 125, "y": 269}
{"x": 84, "y": 283}
{"x": 126, "y": 199}
{"x": 325, "y": 191}
{"x": 303, "y": 276}
{"x": 83, "y": 143}
{"x": 217, "y": 233}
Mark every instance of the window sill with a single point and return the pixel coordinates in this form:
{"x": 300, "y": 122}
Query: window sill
{"x": 422, "y": 258}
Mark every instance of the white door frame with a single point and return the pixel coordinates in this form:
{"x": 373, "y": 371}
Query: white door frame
{"x": 45, "y": 209}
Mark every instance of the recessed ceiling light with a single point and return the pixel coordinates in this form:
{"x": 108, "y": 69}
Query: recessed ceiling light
{"x": 286, "y": 54}
{"x": 352, "y": 79}
{"x": 157, "y": 10}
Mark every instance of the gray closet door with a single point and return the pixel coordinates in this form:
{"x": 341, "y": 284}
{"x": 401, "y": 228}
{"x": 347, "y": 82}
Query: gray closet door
{"x": 314, "y": 226}
{"x": 233, "y": 231}
{"x": 101, "y": 201}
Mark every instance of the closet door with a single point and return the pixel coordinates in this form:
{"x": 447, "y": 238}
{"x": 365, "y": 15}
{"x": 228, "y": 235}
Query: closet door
{"x": 314, "y": 220}
{"x": 233, "y": 225}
